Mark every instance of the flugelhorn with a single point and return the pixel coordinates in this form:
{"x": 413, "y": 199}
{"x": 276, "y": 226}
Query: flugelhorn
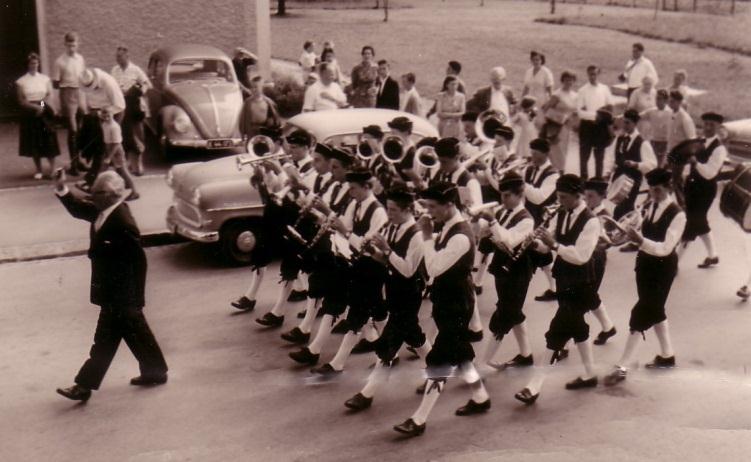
{"x": 486, "y": 124}
{"x": 616, "y": 231}
{"x": 393, "y": 149}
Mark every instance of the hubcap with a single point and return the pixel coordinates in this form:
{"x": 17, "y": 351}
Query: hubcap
{"x": 246, "y": 241}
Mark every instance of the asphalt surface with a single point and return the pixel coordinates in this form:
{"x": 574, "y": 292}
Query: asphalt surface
{"x": 233, "y": 393}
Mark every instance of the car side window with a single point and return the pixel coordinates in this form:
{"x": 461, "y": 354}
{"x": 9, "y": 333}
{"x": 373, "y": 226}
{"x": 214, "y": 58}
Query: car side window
{"x": 349, "y": 140}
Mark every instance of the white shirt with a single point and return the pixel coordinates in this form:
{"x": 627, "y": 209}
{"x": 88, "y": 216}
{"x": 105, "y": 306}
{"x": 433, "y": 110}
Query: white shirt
{"x": 315, "y": 102}
{"x": 130, "y": 76}
{"x": 408, "y": 265}
{"x": 538, "y": 84}
{"x": 471, "y": 194}
{"x": 412, "y": 98}
{"x": 34, "y": 87}
{"x": 308, "y": 60}
{"x": 636, "y": 71}
{"x": 498, "y": 101}
{"x": 104, "y": 92}
{"x": 591, "y": 98}
{"x": 328, "y": 196}
{"x": 438, "y": 262}
{"x": 377, "y": 220}
{"x": 67, "y": 70}
{"x": 648, "y": 158}
{"x": 682, "y": 128}
{"x": 539, "y": 195}
{"x": 581, "y": 251}
{"x": 672, "y": 236}
{"x": 712, "y": 167}
{"x": 512, "y": 237}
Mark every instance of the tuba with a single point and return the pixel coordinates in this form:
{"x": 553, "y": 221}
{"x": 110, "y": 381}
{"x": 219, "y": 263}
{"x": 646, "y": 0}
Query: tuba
{"x": 365, "y": 151}
{"x": 486, "y": 124}
{"x": 393, "y": 149}
{"x": 426, "y": 157}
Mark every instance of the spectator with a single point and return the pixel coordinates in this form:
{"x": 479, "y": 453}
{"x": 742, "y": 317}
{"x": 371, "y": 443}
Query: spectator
{"x": 329, "y": 58}
{"x": 65, "y": 73}
{"x": 496, "y": 96}
{"x": 593, "y": 96}
{"x": 638, "y": 67}
{"x": 325, "y": 93}
{"x": 657, "y": 122}
{"x": 681, "y": 128}
{"x": 680, "y": 84}
{"x": 454, "y": 68}
{"x": 644, "y": 97}
{"x": 388, "y": 89}
{"x": 364, "y": 76}
{"x": 244, "y": 61}
{"x": 37, "y": 137}
{"x": 558, "y": 111}
{"x": 258, "y": 111}
{"x": 115, "y": 154}
{"x": 538, "y": 80}
{"x": 526, "y": 131}
{"x": 134, "y": 84}
{"x": 308, "y": 58}
{"x": 451, "y": 104}
{"x": 409, "y": 100}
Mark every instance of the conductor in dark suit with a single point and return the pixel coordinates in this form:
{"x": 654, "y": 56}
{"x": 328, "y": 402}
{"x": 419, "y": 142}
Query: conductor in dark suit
{"x": 118, "y": 278}
{"x": 388, "y": 89}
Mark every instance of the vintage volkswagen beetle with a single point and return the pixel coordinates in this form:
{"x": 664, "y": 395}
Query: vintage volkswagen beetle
{"x": 214, "y": 202}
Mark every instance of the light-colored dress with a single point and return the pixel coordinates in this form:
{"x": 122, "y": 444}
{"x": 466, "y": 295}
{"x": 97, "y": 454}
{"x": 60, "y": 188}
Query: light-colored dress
{"x": 560, "y": 113}
{"x": 450, "y": 126}
{"x": 364, "y": 78}
{"x": 538, "y": 82}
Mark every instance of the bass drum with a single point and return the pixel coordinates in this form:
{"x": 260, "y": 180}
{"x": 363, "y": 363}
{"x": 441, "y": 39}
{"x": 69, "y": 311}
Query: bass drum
{"x": 735, "y": 201}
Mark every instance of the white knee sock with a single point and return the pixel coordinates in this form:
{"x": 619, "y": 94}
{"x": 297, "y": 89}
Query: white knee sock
{"x": 310, "y": 315}
{"x": 423, "y": 350}
{"x": 681, "y": 249}
{"x": 548, "y": 271}
{"x": 602, "y": 316}
{"x": 378, "y": 377}
{"x": 433, "y": 390}
{"x": 482, "y": 269}
{"x": 663, "y": 336}
{"x": 255, "y": 283}
{"x": 281, "y": 301}
{"x": 632, "y": 342}
{"x": 472, "y": 378}
{"x": 585, "y": 351}
{"x": 301, "y": 283}
{"x": 492, "y": 349}
{"x": 522, "y": 339}
{"x": 345, "y": 349}
{"x": 475, "y": 324}
{"x": 370, "y": 332}
{"x": 708, "y": 241}
{"x": 324, "y": 331}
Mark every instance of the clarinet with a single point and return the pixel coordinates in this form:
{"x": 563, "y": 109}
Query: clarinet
{"x": 548, "y": 215}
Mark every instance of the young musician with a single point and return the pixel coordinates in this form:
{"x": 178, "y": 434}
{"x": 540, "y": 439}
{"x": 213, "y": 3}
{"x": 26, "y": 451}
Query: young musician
{"x": 701, "y": 188}
{"x": 656, "y": 267}
{"x": 634, "y": 157}
{"x": 540, "y": 178}
{"x": 448, "y": 260}
{"x": 402, "y": 127}
{"x": 573, "y": 235}
{"x": 508, "y": 229}
{"x": 400, "y": 248}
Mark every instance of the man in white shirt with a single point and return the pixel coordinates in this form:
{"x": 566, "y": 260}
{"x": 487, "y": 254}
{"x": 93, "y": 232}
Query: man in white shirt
{"x": 680, "y": 128}
{"x": 65, "y": 75}
{"x": 593, "y": 96}
{"x": 324, "y": 94}
{"x": 497, "y": 96}
{"x": 637, "y": 68}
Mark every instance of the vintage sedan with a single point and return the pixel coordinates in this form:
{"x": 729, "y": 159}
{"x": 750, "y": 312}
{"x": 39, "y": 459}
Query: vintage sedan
{"x": 195, "y": 101}
{"x": 214, "y": 202}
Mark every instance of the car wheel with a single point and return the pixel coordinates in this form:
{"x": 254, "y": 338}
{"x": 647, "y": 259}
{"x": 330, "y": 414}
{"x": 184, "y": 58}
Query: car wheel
{"x": 238, "y": 239}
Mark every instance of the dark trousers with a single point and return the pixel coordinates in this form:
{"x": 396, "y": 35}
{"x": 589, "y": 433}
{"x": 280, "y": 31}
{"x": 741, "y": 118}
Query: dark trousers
{"x": 588, "y": 143}
{"x": 117, "y": 324}
{"x": 654, "y": 278}
{"x": 91, "y": 144}
{"x": 403, "y": 325}
{"x": 511, "y": 289}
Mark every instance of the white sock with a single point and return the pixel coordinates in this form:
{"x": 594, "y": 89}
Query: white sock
{"x": 281, "y": 301}
{"x": 433, "y": 390}
{"x": 492, "y": 349}
{"x": 423, "y": 350}
{"x": 681, "y": 249}
{"x": 345, "y": 349}
{"x": 370, "y": 332}
{"x": 301, "y": 283}
{"x": 585, "y": 351}
{"x": 255, "y": 283}
{"x": 522, "y": 339}
{"x": 479, "y": 393}
{"x": 628, "y": 353}
{"x": 378, "y": 377}
{"x": 324, "y": 331}
{"x": 602, "y": 316}
{"x": 709, "y": 244}
{"x": 475, "y": 324}
{"x": 663, "y": 336}
{"x": 310, "y": 315}
{"x": 548, "y": 271}
{"x": 482, "y": 269}
{"x": 538, "y": 377}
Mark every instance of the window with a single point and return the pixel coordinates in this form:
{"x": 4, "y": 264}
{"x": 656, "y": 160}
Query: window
{"x": 188, "y": 70}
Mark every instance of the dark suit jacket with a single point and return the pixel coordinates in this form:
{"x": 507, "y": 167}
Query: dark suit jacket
{"x": 389, "y": 98}
{"x": 118, "y": 262}
{"x": 480, "y": 101}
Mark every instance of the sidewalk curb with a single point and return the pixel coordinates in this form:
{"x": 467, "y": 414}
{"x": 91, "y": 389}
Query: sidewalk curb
{"x": 76, "y": 248}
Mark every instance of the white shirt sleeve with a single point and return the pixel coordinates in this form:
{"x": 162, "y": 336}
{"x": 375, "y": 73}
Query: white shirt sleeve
{"x": 581, "y": 251}
{"x": 648, "y": 158}
{"x": 539, "y": 195}
{"x": 349, "y": 214}
{"x": 672, "y": 238}
{"x": 652, "y": 72}
{"x": 408, "y": 265}
{"x": 475, "y": 192}
{"x": 513, "y": 236}
{"x": 438, "y": 262}
{"x": 710, "y": 169}
{"x": 689, "y": 128}
{"x": 377, "y": 220}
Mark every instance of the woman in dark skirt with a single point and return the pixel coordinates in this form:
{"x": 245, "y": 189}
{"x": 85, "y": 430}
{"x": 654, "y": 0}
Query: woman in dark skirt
{"x": 37, "y": 138}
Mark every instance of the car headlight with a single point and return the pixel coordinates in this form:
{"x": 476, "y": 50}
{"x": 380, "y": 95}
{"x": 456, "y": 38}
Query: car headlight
{"x": 181, "y": 123}
{"x": 195, "y": 198}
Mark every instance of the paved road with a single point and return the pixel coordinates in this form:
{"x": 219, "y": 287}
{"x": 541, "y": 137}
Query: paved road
{"x": 234, "y": 395}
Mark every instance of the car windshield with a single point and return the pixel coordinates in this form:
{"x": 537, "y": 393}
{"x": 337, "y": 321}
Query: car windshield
{"x": 185, "y": 70}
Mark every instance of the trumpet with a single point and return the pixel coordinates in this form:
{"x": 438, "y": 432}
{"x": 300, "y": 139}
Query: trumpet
{"x": 393, "y": 149}
{"x": 426, "y": 157}
{"x": 516, "y": 164}
{"x": 260, "y": 145}
{"x": 474, "y": 158}
{"x": 486, "y": 124}
{"x": 249, "y": 159}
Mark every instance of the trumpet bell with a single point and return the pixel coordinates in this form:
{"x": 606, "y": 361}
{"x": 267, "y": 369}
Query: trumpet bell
{"x": 260, "y": 145}
{"x": 392, "y": 149}
{"x": 365, "y": 151}
{"x": 426, "y": 157}
{"x": 486, "y": 124}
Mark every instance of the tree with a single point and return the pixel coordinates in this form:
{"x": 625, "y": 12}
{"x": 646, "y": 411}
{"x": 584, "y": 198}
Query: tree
{"x": 281, "y": 7}
{"x": 552, "y": 6}
{"x": 377, "y": 5}
{"x": 385, "y": 10}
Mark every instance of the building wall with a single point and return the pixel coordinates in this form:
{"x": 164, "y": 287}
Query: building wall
{"x": 145, "y": 25}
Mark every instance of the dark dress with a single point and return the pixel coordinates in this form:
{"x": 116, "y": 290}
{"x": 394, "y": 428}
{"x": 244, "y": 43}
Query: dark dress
{"x": 37, "y": 137}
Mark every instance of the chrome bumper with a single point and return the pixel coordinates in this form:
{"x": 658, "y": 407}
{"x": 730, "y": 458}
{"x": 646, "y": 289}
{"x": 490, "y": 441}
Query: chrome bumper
{"x": 178, "y": 226}
{"x": 203, "y": 144}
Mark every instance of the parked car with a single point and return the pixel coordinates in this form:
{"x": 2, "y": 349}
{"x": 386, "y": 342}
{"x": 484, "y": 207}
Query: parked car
{"x": 737, "y": 137}
{"x": 214, "y": 202}
{"x": 195, "y": 100}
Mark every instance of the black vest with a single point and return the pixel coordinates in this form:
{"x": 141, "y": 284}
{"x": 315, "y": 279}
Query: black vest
{"x": 461, "y": 180}
{"x": 656, "y": 231}
{"x": 703, "y": 157}
{"x": 400, "y": 247}
{"x": 320, "y": 187}
{"x": 536, "y": 210}
{"x": 500, "y": 258}
{"x": 622, "y": 155}
{"x": 362, "y": 226}
{"x": 340, "y": 206}
{"x": 565, "y": 273}
{"x": 455, "y": 284}
{"x": 602, "y": 243}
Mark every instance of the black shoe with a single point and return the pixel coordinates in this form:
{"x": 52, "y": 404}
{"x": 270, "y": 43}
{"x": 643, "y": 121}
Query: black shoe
{"x": 478, "y": 290}
{"x": 327, "y": 370}
{"x": 341, "y": 327}
{"x": 363, "y": 346}
{"x": 304, "y": 356}
{"x": 629, "y": 248}
{"x": 421, "y": 389}
{"x": 410, "y": 428}
{"x": 473, "y": 408}
{"x": 475, "y": 336}
{"x": 547, "y": 296}
{"x": 579, "y": 383}
{"x": 661, "y": 363}
{"x": 271, "y": 320}
{"x": 297, "y": 296}
{"x": 76, "y": 393}
{"x": 526, "y": 396}
{"x": 80, "y": 166}
{"x": 358, "y": 402}
{"x": 708, "y": 262}
{"x": 559, "y": 355}
{"x": 519, "y": 361}
{"x": 618, "y": 375}
{"x": 301, "y": 314}
{"x": 603, "y": 336}
{"x": 244, "y": 303}
{"x": 743, "y": 293}
{"x": 145, "y": 380}
{"x": 296, "y": 336}
{"x": 132, "y": 196}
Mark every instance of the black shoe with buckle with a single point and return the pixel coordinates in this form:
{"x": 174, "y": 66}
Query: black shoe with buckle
{"x": 363, "y": 346}
{"x": 661, "y": 363}
{"x": 244, "y": 303}
{"x": 579, "y": 383}
{"x": 75, "y": 393}
{"x": 519, "y": 361}
{"x": 296, "y": 336}
{"x": 472, "y": 408}
{"x": 603, "y": 336}
{"x": 526, "y": 396}
{"x": 547, "y": 296}
{"x": 709, "y": 262}
{"x": 271, "y": 320}
{"x": 359, "y": 402}
{"x": 146, "y": 380}
{"x": 410, "y": 428}
{"x": 297, "y": 296}
{"x": 304, "y": 356}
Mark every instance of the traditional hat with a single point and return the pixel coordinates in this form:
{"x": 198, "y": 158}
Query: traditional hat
{"x": 505, "y": 131}
{"x": 324, "y": 150}
{"x": 427, "y": 141}
{"x": 299, "y": 137}
{"x": 510, "y": 181}
{"x": 441, "y": 192}
{"x": 712, "y": 117}
{"x": 658, "y": 177}
{"x": 400, "y": 195}
{"x": 359, "y": 175}
{"x": 597, "y": 184}
{"x": 632, "y": 115}
{"x": 342, "y": 155}
{"x": 447, "y": 147}
{"x": 373, "y": 130}
{"x": 569, "y": 183}
{"x": 540, "y": 145}
{"x": 401, "y": 123}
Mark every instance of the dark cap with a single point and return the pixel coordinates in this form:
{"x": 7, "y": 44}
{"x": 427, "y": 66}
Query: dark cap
{"x": 401, "y": 123}
{"x": 505, "y": 131}
{"x": 359, "y": 175}
{"x": 569, "y": 183}
{"x": 713, "y": 117}
{"x": 325, "y": 150}
{"x": 299, "y": 137}
{"x": 540, "y": 145}
{"x": 447, "y": 147}
{"x": 597, "y": 184}
{"x": 427, "y": 141}
{"x": 343, "y": 156}
{"x": 659, "y": 177}
{"x": 510, "y": 181}
{"x": 401, "y": 195}
{"x": 275, "y": 133}
{"x": 374, "y": 131}
{"x": 441, "y": 192}
{"x": 632, "y": 115}
{"x": 604, "y": 115}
